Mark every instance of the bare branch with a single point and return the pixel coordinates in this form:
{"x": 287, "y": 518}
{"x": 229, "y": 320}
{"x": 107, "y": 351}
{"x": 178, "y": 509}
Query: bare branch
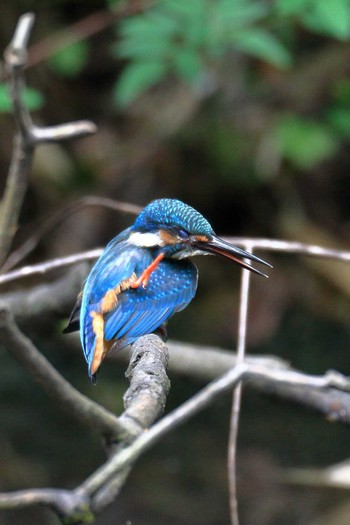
{"x": 28, "y": 135}
{"x": 57, "y": 218}
{"x": 97, "y": 491}
{"x": 126, "y": 457}
{"x": 193, "y": 361}
{"x": 84, "y": 28}
{"x": 64, "y": 502}
{"x": 264, "y": 244}
{"x": 145, "y": 399}
{"x": 42, "y": 268}
{"x": 276, "y": 245}
{"x": 15, "y": 61}
{"x": 23, "y": 350}
{"x": 68, "y": 131}
{"x": 237, "y": 394}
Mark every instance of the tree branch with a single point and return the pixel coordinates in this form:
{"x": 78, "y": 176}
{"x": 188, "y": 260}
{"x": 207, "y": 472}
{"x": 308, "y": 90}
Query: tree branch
{"x": 263, "y": 244}
{"x": 83, "y": 29}
{"x": 60, "y": 216}
{"x": 145, "y": 399}
{"x": 237, "y": 394}
{"x": 99, "y": 489}
{"x": 85, "y": 410}
{"x": 28, "y": 135}
{"x": 53, "y": 264}
{"x": 126, "y": 457}
{"x": 193, "y": 361}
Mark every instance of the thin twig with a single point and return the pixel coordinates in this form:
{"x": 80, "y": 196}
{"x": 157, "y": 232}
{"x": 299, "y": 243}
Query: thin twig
{"x": 57, "y": 218}
{"x": 276, "y": 245}
{"x": 237, "y": 394}
{"x": 42, "y": 268}
{"x": 93, "y": 489}
{"x": 198, "y": 402}
{"x": 83, "y": 29}
{"x": 263, "y": 244}
{"x": 23, "y": 147}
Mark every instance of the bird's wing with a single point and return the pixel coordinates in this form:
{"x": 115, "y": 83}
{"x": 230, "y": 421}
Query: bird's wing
{"x": 118, "y": 263}
{"x": 140, "y": 311}
{"x": 110, "y": 253}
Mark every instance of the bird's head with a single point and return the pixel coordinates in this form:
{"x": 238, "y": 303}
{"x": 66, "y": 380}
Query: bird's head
{"x": 180, "y": 231}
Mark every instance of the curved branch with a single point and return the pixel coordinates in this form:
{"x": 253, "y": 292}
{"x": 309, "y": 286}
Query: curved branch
{"x": 53, "y": 264}
{"x": 23, "y": 350}
{"x": 64, "y": 502}
{"x": 125, "y": 458}
{"x": 98, "y": 490}
{"x": 60, "y": 216}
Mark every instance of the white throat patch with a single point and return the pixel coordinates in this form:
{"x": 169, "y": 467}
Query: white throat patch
{"x": 145, "y": 240}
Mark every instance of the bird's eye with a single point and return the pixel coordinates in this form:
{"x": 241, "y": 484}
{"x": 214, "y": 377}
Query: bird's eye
{"x": 183, "y": 234}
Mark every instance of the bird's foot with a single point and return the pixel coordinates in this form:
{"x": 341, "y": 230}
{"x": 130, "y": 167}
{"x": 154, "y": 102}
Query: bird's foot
{"x": 146, "y": 274}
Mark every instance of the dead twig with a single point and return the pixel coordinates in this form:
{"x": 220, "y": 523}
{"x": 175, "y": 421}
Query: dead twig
{"x": 28, "y": 135}
{"x": 95, "y": 491}
{"x": 237, "y": 394}
{"x": 54, "y": 264}
{"x": 57, "y": 218}
{"x": 83, "y": 29}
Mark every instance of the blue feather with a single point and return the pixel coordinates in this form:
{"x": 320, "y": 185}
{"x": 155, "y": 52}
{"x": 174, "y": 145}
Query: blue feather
{"x": 138, "y": 311}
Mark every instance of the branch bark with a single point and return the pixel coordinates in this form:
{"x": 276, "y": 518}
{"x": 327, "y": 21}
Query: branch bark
{"x": 97, "y": 491}
{"x": 28, "y": 135}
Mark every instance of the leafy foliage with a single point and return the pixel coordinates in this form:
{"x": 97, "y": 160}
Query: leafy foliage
{"x": 304, "y": 142}
{"x": 323, "y": 16}
{"x": 184, "y": 38}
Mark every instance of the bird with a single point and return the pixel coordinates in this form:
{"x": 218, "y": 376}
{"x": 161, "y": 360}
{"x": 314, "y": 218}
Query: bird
{"x": 144, "y": 276}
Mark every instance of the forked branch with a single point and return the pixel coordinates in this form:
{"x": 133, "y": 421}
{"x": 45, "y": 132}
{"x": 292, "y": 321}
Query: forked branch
{"x": 28, "y": 135}
{"x": 97, "y": 491}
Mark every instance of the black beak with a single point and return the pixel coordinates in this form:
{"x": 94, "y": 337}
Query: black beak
{"x": 217, "y": 246}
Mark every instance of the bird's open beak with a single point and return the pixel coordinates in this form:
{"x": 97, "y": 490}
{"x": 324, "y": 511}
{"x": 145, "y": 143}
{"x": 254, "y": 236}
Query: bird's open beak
{"x": 217, "y": 246}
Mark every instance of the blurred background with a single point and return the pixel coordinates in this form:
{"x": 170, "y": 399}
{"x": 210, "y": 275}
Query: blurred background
{"x": 240, "y": 108}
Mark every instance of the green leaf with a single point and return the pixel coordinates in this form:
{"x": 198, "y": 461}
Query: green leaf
{"x": 291, "y": 7}
{"x": 184, "y": 8}
{"x": 330, "y": 17}
{"x": 136, "y": 78}
{"x": 32, "y": 99}
{"x": 188, "y": 64}
{"x": 339, "y": 119}
{"x": 71, "y": 60}
{"x": 148, "y": 50}
{"x": 149, "y": 37}
{"x": 303, "y": 142}
{"x": 261, "y": 44}
{"x": 239, "y": 13}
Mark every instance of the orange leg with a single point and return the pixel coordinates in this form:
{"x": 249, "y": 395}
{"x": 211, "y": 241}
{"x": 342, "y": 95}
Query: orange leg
{"x": 146, "y": 274}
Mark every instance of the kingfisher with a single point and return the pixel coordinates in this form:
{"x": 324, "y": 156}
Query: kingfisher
{"x": 144, "y": 276}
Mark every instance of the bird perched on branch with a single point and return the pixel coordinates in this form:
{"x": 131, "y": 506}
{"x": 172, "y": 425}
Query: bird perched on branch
{"x": 144, "y": 276}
